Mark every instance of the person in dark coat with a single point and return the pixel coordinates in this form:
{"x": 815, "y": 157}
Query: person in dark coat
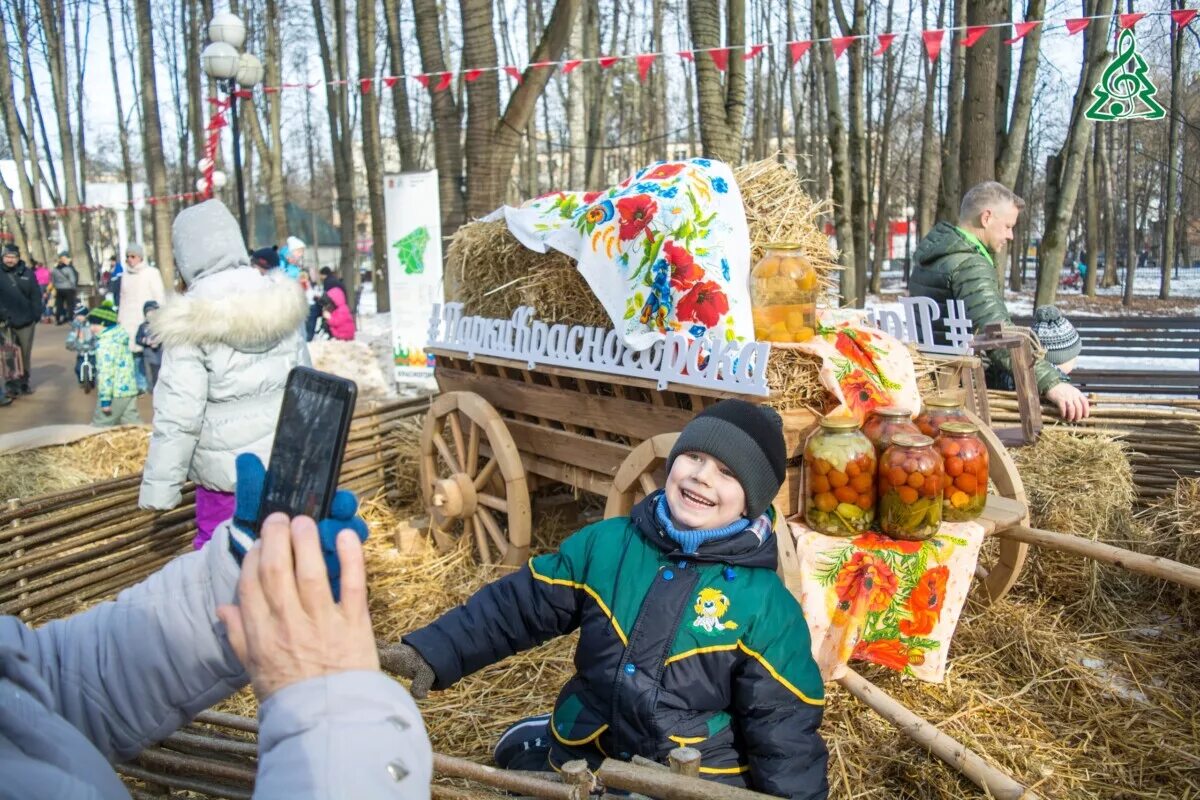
{"x": 957, "y": 262}
{"x": 687, "y": 634}
{"x": 20, "y": 310}
{"x": 65, "y": 278}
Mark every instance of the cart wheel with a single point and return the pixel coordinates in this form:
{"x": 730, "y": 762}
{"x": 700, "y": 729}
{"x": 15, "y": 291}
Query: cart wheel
{"x": 473, "y": 481}
{"x": 640, "y": 474}
{"x": 1000, "y": 563}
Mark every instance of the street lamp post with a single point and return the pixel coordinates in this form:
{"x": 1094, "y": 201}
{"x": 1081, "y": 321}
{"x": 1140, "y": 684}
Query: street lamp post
{"x": 223, "y": 62}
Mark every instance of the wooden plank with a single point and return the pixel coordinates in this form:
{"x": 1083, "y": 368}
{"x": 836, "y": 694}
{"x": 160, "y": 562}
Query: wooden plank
{"x": 612, "y": 414}
{"x": 568, "y": 448}
{"x": 1001, "y": 513}
{"x": 583, "y": 479}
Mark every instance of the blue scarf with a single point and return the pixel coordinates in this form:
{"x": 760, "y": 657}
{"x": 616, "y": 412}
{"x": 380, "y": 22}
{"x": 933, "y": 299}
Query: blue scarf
{"x": 690, "y": 540}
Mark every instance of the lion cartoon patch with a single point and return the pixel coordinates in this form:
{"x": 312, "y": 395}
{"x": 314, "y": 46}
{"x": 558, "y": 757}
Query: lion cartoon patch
{"x": 711, "y": 605}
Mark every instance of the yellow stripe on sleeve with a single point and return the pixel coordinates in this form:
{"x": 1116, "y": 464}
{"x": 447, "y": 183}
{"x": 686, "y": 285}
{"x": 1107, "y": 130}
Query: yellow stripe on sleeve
{"x": 591, "y": 592}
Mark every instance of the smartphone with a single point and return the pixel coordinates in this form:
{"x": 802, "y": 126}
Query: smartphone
{"x": 310, "y": 441}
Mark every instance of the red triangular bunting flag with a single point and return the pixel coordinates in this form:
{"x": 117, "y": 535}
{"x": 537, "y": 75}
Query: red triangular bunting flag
{"x": 1183, "y": 16}
{"x": 885, "y": 41}
{"x": 933, "y": 43}
{"x": 644, "y": 62}
{"x": 1126, "y": 21}
{"x": 973, "y": 34}
{"x": 607, "y": 61}
{"x": 570, "y": 66}
{"x": 720, "y": 57}
{"x": 840, "y": 44}
{"x": 364, "y": 85}
{"x": 1074, "y": 26}
{"x": 687, "y": 55}
{"x": 390, "y": 81}
{"x": 1020, "y": 29}
{"x": 753, "y": 51}
{"x": 444, "y": 82}
{"x": 513, "y": 73}
{"x": 797, "y": 50}
{"x": 472, "y": 75}
{"x": 423, "y": 80}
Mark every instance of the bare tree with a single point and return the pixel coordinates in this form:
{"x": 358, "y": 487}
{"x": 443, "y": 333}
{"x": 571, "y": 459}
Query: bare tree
{"x": 857, "y": 142}
{"x": 930, "y": 166}
{"x": 373, "y": 153}
{"x": 270, "y": 152}
{"x": 152, "y": 147}
{"x": 400, "y": 110}
{"x": 839, "y": 148}
{"x": 1012, "y": 145}
{"x": 1092, "y": 217}
{"x": 25, "y": 228}
{"x": 721, "y": 103}
{"x": 1171, "y": 204}
{"x": 951, "y": 183}
{"x": 977, "y": 156}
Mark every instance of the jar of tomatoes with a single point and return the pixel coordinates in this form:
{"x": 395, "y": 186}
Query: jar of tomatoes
{"x": 940, "y": 409}
{"x": 965, "y": 458}
{"x": 883, "y": 423}
{"x": 839, "y": 478}
{"x": 910, "y": 488}
{"x": 783, "y": 295}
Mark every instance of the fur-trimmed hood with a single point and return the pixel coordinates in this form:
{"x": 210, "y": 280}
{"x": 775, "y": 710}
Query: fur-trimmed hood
{"x": 240, "y": 308}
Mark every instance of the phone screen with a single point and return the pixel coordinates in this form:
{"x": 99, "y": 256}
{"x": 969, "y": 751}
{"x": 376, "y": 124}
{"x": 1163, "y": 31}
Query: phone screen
{"x": 310, "y": 440}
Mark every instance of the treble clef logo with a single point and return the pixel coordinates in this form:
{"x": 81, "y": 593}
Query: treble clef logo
{"x": 1124, "y": 86}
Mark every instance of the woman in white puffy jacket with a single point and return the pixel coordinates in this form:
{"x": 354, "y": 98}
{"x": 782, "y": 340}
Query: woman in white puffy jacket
{"x": 229, "y": 343}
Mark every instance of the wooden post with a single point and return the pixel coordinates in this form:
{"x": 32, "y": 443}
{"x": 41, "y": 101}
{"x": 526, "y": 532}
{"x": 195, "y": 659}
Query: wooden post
{"x": 13, "y": 504}
{"x": 663, "y": 784}
{"x": 501, "y": 779}
{"x": 992, "y": 780}
{"x": 685, "y": 761}
{"x": 576, "y": 774}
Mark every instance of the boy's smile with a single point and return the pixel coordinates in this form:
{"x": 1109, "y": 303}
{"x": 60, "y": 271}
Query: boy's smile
{"x": 702, "y": 493}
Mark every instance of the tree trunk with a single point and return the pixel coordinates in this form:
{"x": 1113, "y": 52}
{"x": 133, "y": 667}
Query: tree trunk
{"x": 1092, "y": 212}
{"x": 270, "y": 152}
{"x": 1110, "y": 205}
{"x": 372, "y": 149}
{"x": 977, "y": 158}
{"x": 447, "y": 124}
{"x": 122, "y": 128}
{"x": 152, "y": 148}
{"x": 839, "y": 149}
{"x": 1011, "y": 154}
{"x": 722, "y": 105}
{"x": 400, "y": 110}
{"x": 577, "y": 103}
{"x": 1174, "y": 112}
{"x": 25, "y": 226}
{"x": 1072, "y": 157}
{"x": 883, "y": 232}
{"x": 857, "y": 142}
{"x": 1131, "y": 238}
{"x": 951, "y": 188}
{"x": 930, "y": 166}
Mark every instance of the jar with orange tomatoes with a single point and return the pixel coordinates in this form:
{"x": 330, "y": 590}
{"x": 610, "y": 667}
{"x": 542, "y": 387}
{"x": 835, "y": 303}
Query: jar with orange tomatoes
{"x": 783, "y": 295}
{"x": 839, "y": 478}
{"x": 883, "y": 423}
{"x": 965, "y": 457}
{"x": 940, "y": 409}
{"x": 910, "y": 488}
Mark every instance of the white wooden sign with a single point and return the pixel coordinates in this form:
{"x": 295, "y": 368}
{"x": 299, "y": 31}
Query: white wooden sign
{"x": 727, "y": 366}
{"x": 916, "y": 327}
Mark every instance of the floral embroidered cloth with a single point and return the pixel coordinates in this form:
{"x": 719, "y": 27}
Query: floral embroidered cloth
{"x": 887, "y": 601}
{"x": 667, "y": 249}
{"x": 861, "y": 365}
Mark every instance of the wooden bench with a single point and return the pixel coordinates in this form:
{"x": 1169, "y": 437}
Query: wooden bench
{"x": 1137, "y": 337}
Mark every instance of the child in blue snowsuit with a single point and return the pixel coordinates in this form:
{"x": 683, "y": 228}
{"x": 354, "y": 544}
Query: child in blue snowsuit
{"x": 81, "y": 340}
{"x": 687, "y": 634}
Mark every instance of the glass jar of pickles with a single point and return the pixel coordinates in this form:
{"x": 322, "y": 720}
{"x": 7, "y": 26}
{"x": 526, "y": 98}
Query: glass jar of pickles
{"x": 883, "y": 423}
{"x": 910, "y": 488}
{"x": 783, "y": 295}
{"x": 938, "y": 410}
{"x": 839, "y": 478}
{"x": 965, "y": 459}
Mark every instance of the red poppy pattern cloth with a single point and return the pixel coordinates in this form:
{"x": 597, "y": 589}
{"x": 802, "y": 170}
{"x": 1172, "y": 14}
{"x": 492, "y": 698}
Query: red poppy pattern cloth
{"x": 667, "y": 249}
{"x": 890, "y": 602}
{"x": 863, "y": 367}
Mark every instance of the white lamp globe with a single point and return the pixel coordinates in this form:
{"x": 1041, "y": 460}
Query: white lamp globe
{"x": 205, "y": 164}
{"x": 201, "y": 185}
{"x": 228, "y": 28}
{"x": 249, "y": 71}
{"x": 218, "y": 179}
{"x": 220, "y": 60}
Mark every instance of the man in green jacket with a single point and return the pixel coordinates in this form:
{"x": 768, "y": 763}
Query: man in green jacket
{"x": 957, "y": 262}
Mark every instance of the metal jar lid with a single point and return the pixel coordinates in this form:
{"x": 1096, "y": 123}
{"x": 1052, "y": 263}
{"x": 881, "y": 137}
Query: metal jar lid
{"x": 782, "y": 246}
{"x": 944, "y": 401}
{"x": 959, "y": 428}
{"x": 911, "y": 440}
{"x": 893, "y": 412}
{"x": 840, "y": 422}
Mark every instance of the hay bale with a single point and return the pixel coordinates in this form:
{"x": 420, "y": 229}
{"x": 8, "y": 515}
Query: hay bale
{"x": 1082, "y": 484}
{"x": 354, "y": 360}
{"x": 1175, "y": 520}
{"x": 108, "y": 454}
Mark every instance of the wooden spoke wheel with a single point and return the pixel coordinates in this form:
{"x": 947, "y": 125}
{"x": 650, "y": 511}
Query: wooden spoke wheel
{"x": 1000, "y": 559}
{"x": 472, "y": 480}
{"x": 640, "y": 474}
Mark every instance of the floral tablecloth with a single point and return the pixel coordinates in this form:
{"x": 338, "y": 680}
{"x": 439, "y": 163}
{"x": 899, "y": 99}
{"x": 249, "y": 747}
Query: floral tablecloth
{"x": 667, "y": 249}
{"x": 883, "y": 600}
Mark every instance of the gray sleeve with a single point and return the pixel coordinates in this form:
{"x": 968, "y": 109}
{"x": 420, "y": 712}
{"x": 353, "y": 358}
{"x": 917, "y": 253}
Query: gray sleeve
{"x": 128, "y": 672}
{"x": 180, "y": 398}
{"x": 347, "y": 736}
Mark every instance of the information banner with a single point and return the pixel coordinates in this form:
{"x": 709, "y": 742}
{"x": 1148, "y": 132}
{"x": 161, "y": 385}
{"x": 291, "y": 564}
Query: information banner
{"x": 414, "y": 260}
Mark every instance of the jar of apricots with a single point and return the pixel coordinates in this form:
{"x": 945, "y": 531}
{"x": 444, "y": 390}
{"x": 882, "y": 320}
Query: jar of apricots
{"x": 910, "y": 488}
{"x": 783, "y": 295}
{"x": 965, "y": 485}
{"x": 839, "y": 478}
{"x": 940, "y": 409}
{"x": 883, "y": 423}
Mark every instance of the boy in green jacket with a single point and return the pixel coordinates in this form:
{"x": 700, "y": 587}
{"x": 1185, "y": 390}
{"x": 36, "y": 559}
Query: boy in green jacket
{"x": 687, "y": 634}
{"x": 116, "y": 383}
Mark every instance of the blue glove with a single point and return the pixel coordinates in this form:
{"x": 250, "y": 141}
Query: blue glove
{"x": 251, "y": 475}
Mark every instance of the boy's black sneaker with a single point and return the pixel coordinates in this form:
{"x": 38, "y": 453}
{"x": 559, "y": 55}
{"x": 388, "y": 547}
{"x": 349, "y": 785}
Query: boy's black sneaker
{"x": 526, "y": 745}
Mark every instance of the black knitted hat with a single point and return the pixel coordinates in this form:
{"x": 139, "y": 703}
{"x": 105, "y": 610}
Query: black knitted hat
{"x": 748, "y": 438}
